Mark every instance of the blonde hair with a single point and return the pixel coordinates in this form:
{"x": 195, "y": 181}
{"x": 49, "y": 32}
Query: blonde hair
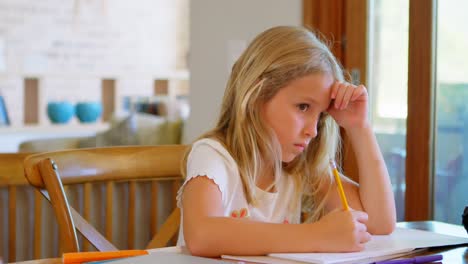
{"x": 273, "y": 59}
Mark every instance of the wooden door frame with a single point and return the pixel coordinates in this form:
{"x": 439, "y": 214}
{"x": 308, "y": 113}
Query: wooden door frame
{"x": 346, "y": 21}
{"x": 348, "y": 33}
{"x": 419, "y": 123}
{"x": 329, "y": 26}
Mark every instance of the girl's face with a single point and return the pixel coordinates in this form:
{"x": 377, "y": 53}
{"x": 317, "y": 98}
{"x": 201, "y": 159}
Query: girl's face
{"x": 293, "y": 113}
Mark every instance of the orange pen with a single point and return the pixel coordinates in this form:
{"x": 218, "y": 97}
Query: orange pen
{"x": 80, "y": 257}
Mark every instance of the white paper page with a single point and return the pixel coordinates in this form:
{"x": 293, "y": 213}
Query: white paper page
{"x": 344, "y": 258}
{"x": 276, "y": 260}
{"x": 261, "y": 259}
{"x": 414, "y": 238}
{"x": 401, "y": 242}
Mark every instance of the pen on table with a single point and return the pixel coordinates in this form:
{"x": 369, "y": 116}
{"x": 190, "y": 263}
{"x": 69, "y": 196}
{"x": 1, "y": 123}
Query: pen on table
{"x": 80, "y": 257}
{"x": 418, "y": 259}
{"x": 339, "y": 185}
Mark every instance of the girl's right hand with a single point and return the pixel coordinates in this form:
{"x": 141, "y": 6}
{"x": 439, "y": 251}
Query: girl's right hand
{"x": 344, "y": 231}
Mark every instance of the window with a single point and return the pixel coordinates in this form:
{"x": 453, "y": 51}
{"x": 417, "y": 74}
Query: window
{"x": 451, "y": 125}
{"x": 388, "y": 77}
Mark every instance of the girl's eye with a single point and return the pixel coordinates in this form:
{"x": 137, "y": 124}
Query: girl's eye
{"x": 303, "y": 107}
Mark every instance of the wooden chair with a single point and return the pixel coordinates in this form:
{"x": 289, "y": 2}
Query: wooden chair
{"x": 12, "y": 183}
{"x": 51, "y": 171}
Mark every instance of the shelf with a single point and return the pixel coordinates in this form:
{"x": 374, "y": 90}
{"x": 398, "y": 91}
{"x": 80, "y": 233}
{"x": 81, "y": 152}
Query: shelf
{"x": 55, "y": 128}
{"x": 11, "y": 137}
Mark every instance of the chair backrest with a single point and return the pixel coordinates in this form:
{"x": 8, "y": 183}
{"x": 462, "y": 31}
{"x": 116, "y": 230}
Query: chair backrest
{"x": 12, "y": 222}
{"x": 53, "y": 170}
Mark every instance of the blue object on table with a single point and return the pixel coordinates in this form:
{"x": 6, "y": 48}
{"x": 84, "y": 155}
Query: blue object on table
{"x": 418, "y": 259}
{"x": 60, "y": 112}
{"x": 88, "y": 112}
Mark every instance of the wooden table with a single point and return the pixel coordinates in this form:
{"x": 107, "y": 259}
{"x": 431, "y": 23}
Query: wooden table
{"x": 452, "y": 254}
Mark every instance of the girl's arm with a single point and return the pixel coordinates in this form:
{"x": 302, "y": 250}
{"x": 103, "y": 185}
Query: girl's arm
{"x": 375, "y": 190}
{"x": 208, "y": 233}
{"x": 374, "y": 194}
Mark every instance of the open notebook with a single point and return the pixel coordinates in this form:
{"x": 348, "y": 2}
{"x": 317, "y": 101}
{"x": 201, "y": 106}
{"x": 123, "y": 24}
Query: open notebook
{"x": 401, "y": 242}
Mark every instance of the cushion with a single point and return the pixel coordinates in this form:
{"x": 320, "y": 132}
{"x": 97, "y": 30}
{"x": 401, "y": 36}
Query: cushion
{"x": 122, "y": 133}
{"x": 154, "y": 130}
{"x": 169, "y": 132}
{"x": 50, "y": 144}
{"x": 138, "y": 129}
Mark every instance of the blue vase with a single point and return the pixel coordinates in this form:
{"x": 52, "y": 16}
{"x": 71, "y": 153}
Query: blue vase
{"x": 60, "y": 112}
{"x": 88, "y": 112}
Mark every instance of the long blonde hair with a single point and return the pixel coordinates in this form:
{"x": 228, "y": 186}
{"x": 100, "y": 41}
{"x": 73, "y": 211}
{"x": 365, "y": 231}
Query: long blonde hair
{"x": 273, "y": 59}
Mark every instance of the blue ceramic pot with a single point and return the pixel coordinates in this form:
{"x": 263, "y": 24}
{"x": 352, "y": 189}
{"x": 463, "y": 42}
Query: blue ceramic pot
{"x": 60, "y": 112}
{"x": 88, "y": 112}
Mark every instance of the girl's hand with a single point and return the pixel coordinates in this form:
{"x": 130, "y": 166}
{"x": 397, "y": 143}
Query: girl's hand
{"x": 345, "y": 231}
{"x": 349, "y": 105}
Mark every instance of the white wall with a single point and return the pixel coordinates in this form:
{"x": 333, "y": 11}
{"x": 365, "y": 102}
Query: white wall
{"x": 219, "y": 30}
{"x": 71, "y": 45}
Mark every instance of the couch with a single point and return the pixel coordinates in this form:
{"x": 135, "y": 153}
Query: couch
{"x": 133, "y": 129}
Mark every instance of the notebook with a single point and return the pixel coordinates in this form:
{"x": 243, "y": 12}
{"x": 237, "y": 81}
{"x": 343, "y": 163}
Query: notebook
{"x": 401, "y": 242}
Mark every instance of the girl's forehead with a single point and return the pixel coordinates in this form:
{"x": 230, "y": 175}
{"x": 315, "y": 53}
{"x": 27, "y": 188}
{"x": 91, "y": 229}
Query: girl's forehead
{"x": 314, "y": 88}
{"x": 312, "y": 85}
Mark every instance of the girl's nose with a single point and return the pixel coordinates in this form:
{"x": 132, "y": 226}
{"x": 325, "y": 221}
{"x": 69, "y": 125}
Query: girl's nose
{"x": 310, "y": 129}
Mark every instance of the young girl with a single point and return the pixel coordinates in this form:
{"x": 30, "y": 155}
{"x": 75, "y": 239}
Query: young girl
{"x": 267, "y": 159}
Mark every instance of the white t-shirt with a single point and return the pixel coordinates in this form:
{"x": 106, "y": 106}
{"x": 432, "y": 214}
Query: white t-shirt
{"x": 209, "y": 158}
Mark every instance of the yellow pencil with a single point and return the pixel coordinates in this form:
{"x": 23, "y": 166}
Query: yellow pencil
{"x": 339, "y": 185}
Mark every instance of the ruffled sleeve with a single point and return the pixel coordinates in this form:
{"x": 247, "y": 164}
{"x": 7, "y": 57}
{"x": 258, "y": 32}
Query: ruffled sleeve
{"x": 208, "y": 158}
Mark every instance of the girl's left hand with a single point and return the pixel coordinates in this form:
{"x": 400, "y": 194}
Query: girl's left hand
{"x": 349, "y": 105}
